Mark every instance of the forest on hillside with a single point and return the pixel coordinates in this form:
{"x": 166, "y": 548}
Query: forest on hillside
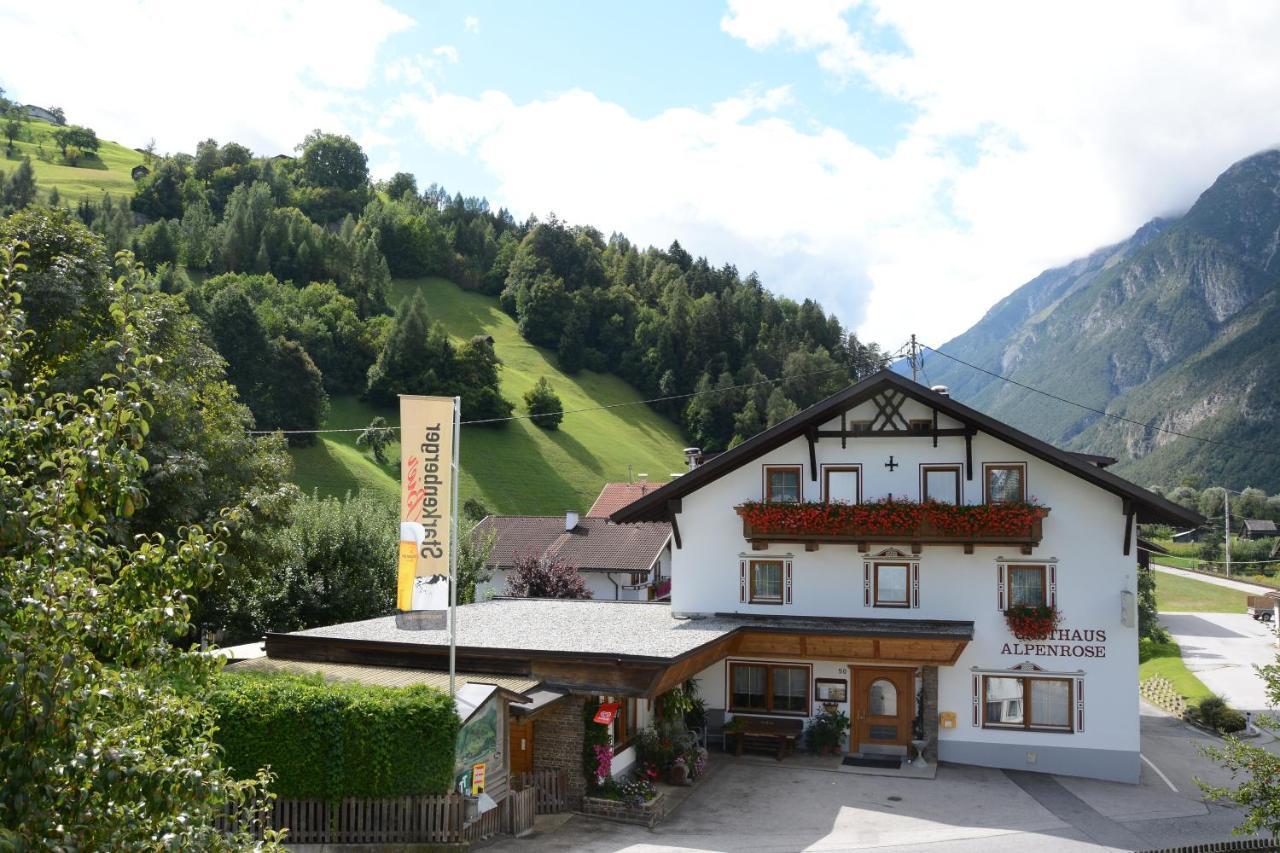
{"x": 264, "y": 285}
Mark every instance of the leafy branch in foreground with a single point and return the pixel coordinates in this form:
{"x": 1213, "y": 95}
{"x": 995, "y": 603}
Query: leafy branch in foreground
{"x": 1254, "y": 770}
{"x": 103, "y": 738}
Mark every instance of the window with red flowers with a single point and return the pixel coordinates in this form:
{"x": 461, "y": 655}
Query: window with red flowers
{"x": 1004, "y": 482}
{"x": 782, "y": 484}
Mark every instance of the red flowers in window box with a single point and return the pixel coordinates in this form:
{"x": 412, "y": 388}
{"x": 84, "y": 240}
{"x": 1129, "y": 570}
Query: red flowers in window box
{"x": 898, "y": 518}
{"x": 1032, "y": 623}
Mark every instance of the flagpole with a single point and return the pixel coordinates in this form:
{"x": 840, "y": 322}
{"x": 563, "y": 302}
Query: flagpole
{"x": 453, "y": 549}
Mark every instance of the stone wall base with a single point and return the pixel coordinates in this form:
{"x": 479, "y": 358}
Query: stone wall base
{"x": 646, "y": 815}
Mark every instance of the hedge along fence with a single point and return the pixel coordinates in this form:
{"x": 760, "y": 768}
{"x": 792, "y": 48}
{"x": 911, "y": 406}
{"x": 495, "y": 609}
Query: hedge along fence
{"x": 327, "y": 741}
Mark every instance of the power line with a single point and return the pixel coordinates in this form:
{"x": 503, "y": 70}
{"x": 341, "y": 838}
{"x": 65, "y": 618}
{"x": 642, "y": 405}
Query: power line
{"x": 885, "y": 360}
{"x": 1111, "y": 415}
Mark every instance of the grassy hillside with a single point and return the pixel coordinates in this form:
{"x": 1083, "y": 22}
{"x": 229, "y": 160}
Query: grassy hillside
{"x": 518, "y": 468}
{"x": 108, "y": 172}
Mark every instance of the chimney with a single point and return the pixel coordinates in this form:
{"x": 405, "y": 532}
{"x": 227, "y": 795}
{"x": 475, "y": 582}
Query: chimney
{"x": 693, "y": 455}
{"x": 941, "y": 389}
{"x": 642, "y": 477}
{"x": 570, "y": 520}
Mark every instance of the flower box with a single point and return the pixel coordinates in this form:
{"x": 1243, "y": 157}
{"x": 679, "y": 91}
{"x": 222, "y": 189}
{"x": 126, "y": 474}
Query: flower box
{"x": 894, "y": 521}
{"x": 644, "y": 814}
{"x": 1032, "y": 623}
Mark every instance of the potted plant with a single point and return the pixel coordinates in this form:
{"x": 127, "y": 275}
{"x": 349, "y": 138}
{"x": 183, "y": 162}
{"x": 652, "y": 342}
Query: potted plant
{"x": 679, "y": 773}
{"x": 1032, "y": 623}
{"x": 826, "y": 732}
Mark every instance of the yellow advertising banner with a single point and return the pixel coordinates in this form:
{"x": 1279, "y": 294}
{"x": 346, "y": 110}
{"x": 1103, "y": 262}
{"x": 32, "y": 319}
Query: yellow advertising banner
{"x": 426, "y": 491}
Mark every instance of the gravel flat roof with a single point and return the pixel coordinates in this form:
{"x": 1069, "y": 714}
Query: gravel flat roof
{"x": 623, "y": 628}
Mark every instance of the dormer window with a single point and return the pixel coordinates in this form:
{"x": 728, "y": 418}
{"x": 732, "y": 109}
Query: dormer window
{"x": 1005, "y": 482}
{"x": 782, "y": 484}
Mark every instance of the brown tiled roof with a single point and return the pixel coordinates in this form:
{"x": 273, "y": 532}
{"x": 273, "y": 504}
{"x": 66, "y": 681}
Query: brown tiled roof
{"x": 596, "y": 544}
{"x": 614, "y": 496}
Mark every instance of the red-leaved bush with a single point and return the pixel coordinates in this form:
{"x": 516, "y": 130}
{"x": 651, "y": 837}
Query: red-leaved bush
{"x": 540, "y": 577}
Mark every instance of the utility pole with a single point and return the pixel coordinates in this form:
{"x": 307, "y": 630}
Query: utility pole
{"x": 1226, "y": 509}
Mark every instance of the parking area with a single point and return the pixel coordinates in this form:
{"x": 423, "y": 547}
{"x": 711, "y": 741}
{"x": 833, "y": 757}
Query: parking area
{"x": 760, "y": 805}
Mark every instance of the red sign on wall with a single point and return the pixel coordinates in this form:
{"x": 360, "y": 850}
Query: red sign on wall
{"x": 606, "y": 714}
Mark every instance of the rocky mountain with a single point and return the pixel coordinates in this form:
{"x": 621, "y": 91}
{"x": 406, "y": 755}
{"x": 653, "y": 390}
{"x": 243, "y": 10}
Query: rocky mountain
{"x": 1177, "y": 327}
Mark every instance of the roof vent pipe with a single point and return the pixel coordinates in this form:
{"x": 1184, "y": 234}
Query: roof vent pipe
{"x": 570, "y": 519}
{"x": 941, "y": 389}
{"x": 693, "y": 455}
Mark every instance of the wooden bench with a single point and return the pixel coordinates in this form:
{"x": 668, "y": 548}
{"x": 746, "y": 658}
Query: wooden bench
{"x": 776, "y": 734}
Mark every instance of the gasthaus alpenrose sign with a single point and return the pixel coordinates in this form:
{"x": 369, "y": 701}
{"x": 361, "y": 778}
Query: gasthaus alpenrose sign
{"x": 939, "y": 577}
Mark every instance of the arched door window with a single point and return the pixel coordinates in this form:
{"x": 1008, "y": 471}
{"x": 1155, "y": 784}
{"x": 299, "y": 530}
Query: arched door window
{"x": 882, "y": 698}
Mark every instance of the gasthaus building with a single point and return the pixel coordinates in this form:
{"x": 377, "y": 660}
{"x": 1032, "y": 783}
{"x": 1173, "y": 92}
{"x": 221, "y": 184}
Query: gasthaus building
{"x": 937, "y": 575}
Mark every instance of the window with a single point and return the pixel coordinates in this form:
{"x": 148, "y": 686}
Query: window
{"x": 768, "y": 688}
{"x": 782, "y": 484}
{"x": 766, "y": 582}
{"x": 624, "y": 726}
{"x": 940, "y": 483}
{"x": 921, "y": 424}
{"x": 882, "y": 698}
{"x": 1005, "y": 482}
{"x": 892, "y": 584}
{"x": 1027, "y": 586}
{"x": 1011, "y": 702}
{"x": 842, "y": 483}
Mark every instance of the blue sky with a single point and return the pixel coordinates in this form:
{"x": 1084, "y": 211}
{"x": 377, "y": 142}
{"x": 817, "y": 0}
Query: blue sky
{"x": 906, "y": 163}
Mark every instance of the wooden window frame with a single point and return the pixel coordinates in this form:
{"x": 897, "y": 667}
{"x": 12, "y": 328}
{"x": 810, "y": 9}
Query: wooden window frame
{"x": 1045, "y": 600}
{"x": 988, "y": 467}
{"x": 628, "y": 710}
{"x": 1028, "y": 724}
{"x": 929, "y": 467}
{"x": 752, "y": 598}
{"x": 827, "y": 469}
{"x": 767, "y": 492}
{"x": 905, "y": 604}
{"x": 769, "y": 667}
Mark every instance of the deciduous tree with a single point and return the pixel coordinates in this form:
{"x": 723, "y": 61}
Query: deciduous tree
{"x": 532, "y": 576}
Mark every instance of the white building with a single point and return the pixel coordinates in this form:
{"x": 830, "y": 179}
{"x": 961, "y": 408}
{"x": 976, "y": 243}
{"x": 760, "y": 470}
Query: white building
{"x": 1064, "y": 704}
{"x": 861, "y": 557}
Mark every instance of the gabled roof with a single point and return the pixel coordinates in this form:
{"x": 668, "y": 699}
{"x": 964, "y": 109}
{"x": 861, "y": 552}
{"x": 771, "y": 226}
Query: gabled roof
{"x": 614, "y": 496}
{"x": 595, "y": 544}
{"x": 1148, "y": 506}
{"x": 1260, "y": 525}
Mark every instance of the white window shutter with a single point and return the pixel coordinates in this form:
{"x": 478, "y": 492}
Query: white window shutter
{"x": 788, "y": 581}
{"x": 742, "y": 581}
{"x": 866, "y": 584}
{"x": 977, "y": 700}
{"x": 915, "y": 584}
{"x": 1000, "y": 595}
{"x": 1051, "y": 594}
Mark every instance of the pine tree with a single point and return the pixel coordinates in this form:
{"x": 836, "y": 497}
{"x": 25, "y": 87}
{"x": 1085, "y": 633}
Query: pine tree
{"x": 20, "y": 187}
{"x": 779, "y": 408}
{"x": 415, "y": 359}
{"x": 197, "y": 235}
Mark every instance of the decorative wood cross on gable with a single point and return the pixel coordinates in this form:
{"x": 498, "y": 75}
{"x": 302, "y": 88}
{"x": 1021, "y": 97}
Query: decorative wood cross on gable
{"x": 888, "y": 417}
{"x": 891, "y": 464}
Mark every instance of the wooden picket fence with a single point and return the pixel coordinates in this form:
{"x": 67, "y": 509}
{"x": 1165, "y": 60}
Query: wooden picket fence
{"x": 399, "y": 820}
{"x": 552, "y": 787}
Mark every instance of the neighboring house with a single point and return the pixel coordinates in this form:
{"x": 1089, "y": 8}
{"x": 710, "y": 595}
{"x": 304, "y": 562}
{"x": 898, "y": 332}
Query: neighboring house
{"x": 619, "y": 562}
{"x": 139, "y": 172}
{"x": 783, "y": 616}
{"x": 1259, "y": 528}
{"x": 614, "y": 496}
{"x": 40, "y": 113}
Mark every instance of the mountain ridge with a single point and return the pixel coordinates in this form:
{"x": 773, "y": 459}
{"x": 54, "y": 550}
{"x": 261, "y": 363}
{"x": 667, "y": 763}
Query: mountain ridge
{"x": 1175, "y": 327}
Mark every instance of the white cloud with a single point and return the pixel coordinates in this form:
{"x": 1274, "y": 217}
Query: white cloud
{"x": 446, "y": 52}
{"x": 1087, "y": 119}
{"x": 262, "y": 72}
{"x": 471, "y": 24}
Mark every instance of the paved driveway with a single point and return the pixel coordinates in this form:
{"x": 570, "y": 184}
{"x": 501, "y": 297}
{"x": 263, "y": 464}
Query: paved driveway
{"x": 1222, "y": 650}
{"x": 762, "y": 806}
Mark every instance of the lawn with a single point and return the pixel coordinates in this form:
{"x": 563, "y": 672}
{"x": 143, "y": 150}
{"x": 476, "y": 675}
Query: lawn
{"x": 1165, "y": 659}
{"x": 108, "y": 172}
{"x": 516, "y": 468}
{"x": 1178, "y": 594}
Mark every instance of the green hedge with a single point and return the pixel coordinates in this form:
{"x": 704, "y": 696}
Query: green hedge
{"x": 327, "y": 741}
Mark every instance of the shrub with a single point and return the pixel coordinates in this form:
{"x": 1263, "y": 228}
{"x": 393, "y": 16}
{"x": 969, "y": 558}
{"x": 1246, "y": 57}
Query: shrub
{"x": 1207, "y": 710}
{"x": 1229, "y": 721}
{"x": 328, "y": 741}
{"x": 541, "y": 577}
{"x": 543, "y": 405}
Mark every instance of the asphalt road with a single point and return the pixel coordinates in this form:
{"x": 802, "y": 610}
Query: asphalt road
{"x": 1222, "y": 649}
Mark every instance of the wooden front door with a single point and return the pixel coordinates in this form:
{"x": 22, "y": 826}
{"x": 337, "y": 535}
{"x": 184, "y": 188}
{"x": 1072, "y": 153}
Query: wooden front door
{"x": 521, "y": 745}
{"x": 883, "y": 706}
